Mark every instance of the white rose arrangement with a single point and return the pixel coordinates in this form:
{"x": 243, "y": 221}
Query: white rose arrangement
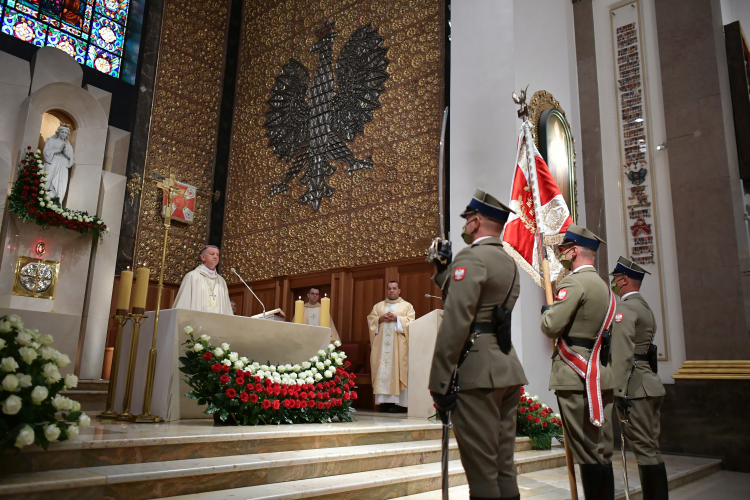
{"x": 30, "y": 385}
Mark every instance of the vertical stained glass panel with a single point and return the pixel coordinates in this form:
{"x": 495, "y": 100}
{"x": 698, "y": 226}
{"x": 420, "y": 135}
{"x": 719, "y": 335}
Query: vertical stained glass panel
{"x": 116, "y": 10}
{"x": 74, "y": 47}
{"x": 24, "y": 28}
{"x": 108, "y": 35}
{"x": 103, "y": 61}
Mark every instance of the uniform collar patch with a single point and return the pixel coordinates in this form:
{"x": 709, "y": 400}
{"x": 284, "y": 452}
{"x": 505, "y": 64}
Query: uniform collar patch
{"x": 618, "y": 318}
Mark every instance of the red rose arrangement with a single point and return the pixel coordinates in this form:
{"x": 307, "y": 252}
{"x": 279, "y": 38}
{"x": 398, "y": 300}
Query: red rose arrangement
{"x": 30, "y": 200}
{"x": 537, "y": 422}
{"x": 318, "y": 390}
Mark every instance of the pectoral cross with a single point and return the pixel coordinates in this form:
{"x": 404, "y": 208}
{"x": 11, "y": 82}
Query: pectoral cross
{"x": 213, "y": 299}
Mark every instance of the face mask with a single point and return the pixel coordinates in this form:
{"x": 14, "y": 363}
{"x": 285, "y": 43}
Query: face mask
{"x": 615, "y": 288}
{"x": 565, "y": 262}
{"x": 467, "y": 236}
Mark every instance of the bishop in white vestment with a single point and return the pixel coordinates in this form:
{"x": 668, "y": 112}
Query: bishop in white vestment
{"x": 389, "y": 338}
{"x": 203, "y": 289}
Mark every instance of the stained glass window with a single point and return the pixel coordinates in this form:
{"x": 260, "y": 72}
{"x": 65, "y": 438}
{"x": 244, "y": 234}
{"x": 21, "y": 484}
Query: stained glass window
{"x": 90, "y": 31}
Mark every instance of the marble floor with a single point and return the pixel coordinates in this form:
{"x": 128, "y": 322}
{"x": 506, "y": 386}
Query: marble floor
{"x": 552, "y": 484}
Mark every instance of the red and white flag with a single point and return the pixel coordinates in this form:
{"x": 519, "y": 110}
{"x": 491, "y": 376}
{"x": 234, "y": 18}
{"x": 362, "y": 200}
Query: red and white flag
{"x": 521, "y": 231}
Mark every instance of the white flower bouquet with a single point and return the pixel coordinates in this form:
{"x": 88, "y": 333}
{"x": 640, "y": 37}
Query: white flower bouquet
{"x": 30, "y": 381}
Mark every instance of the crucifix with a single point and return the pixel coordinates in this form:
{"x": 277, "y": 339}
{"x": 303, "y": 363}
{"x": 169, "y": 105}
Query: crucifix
{"x": 169, "y": 186}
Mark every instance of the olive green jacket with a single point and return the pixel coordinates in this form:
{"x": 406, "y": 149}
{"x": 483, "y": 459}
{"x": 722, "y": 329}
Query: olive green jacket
{"x": 479, "y": 279}
{"x": 579, "y": 310}
{"x": 633, "y": 329}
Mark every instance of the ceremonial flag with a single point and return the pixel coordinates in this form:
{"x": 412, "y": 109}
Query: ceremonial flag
{"x": 520, "y": 237}
{"x": 183, "y": 203}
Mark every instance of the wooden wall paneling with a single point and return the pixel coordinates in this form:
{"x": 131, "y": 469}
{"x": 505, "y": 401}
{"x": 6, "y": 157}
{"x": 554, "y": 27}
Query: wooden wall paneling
{"x": 239, "y": 299}
{"x": 368, "y": 290}
{"x": 415, "y": 282}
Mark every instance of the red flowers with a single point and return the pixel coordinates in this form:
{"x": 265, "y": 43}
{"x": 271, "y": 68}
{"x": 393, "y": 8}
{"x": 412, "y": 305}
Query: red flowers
{"x": 529, "y": 417}
{"x": 544, "y": 424}
{"x": 266, "y": 404}
{"x": 216, "y": 368}
{"x": 224, "y": 379}
{"x": 240, "y": 381}
{"x": 253, "y": 398}
{"x": 276, "y": 404}
{"x": 522, "y": 409}
{"x": 225, "y": 368}
{"x": 208, "y": 356}
{"x": 244, "y": 397}
{"x": 231, "y": 393}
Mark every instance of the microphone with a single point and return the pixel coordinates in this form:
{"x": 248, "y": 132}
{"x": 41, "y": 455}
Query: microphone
{"x": 251, "y": 291}
{"x": 433, "y": 296}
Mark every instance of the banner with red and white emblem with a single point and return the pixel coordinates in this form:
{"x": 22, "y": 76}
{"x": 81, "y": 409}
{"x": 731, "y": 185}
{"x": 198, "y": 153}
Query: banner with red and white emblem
{"x": 183, "y": 203}
{"x": 521, "y": 236}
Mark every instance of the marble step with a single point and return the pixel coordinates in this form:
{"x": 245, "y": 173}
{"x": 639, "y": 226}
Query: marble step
{"x": 144, "y": 481}
{"x": 90, "y": 399}
{"x": 378, "y": 484}
{"x": 93, "y": 385}
{"x": 552, "y": 484}
{"x": 110, "y": 443}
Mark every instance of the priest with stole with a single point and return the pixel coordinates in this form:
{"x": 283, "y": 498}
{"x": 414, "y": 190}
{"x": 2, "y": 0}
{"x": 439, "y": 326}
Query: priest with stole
{"x": 389, "y": 337}
{"x": 203, "y": 289}
{"x": 311, "y": 313}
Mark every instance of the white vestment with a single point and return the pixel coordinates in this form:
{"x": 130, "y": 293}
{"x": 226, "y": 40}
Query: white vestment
{"x": 203, "y": 290}
{"x": 56, "y": 164}
{"x": 311, "y": 316}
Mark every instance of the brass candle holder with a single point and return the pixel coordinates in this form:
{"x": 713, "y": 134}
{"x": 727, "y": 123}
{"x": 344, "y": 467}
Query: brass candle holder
{"x": 121, "y": 316}
{"x": 137, "y": 317}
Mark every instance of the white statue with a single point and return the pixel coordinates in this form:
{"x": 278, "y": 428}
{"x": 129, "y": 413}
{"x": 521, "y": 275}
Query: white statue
{"x": 58, "y": 158}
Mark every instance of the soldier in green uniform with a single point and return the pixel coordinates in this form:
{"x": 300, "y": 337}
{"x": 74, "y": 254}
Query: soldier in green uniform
{"x": 639, "y": 392}
{"x": 582, "y": 307}
{"x": 480, "y": 288}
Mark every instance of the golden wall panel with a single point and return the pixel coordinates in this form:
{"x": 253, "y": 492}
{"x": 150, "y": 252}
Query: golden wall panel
{"x": 182, "y": 136}
{"x": 385, "y": 214}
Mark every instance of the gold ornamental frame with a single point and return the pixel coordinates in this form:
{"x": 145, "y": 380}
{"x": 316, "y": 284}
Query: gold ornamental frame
{"x": 540, "y": 102}
{"x": 19, "y": 289}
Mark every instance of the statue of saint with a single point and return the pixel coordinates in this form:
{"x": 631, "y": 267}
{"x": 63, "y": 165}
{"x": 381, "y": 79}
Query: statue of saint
{"x": 58, "y": 158}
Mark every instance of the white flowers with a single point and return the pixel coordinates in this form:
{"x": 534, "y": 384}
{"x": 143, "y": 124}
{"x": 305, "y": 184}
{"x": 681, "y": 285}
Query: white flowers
{"x": 12, "y": 405}
{"x": 318, "y": 377}
{"x": 10, "y": 382}
{"x": 46, "y": 339}
{"x": 51, "y": 432}
{"x": 226, "y": 362}
{"x": 27, "y": 354}
{"x": 23, "y": 338}
{"x": 71, "y": 381}
{"x": 61, "y": 403}
{"x": 47, "y": 352}
{"x": 61, "y": 359}
{"x": 198, "y": 347}
{"x": 72, "y": 431}
{"x": 320, "y": 366}
{"x": 51, "y": 373}
{"x": 306, "y": 365}
{"x": 337, "y": 344}
{"x": 4, "y": 327}
{"x": 219, "y": 352}
{"x": 8, "y": 365}
{"x": 188, "y": 330}
{"x": 321, "y": 353}
{"x": 84, "y": 420}
{"x": 39, "y": 394}
{"x": 225, "y": 346}
{"x": 327, "y": 374}
{"x": 15, "y": 320}
{"x": 327, "y": 362}
{"x": 24, "y": 381}
{"x": 233, "y": 356}
{"x": 205, "y": 337}
{"x": 339, "y": 361}
{"x": 25, "y": 437}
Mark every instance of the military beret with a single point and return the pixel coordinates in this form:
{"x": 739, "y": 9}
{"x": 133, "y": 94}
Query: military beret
{"x": 629, "y": 269}
{"x": 578, "y": 235}
{"x": 487, "y": 205}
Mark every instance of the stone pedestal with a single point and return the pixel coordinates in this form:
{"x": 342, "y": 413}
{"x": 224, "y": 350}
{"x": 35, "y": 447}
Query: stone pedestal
{"x": 259, "y": 340}
{"x": 422, "y": 336}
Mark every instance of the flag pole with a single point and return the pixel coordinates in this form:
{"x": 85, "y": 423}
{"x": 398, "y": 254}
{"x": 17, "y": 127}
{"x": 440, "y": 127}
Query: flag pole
{"x": 528, "y": 141}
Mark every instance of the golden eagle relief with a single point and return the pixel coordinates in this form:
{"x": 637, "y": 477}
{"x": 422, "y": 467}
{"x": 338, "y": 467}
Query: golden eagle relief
{"x": 308, "y": 125}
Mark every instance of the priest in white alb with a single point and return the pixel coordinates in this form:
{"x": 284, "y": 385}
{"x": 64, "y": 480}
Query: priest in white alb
{"x": 203, "y": 289}
{"x": 311, "y": 313}
{"x": 389, "y": 338}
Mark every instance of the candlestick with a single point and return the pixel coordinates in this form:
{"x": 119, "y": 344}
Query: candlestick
{"x": 126, "y": 285}
{"x": 137, "y": 317}
{"x": 325, "y": 311}
{"x": 121, "y": 316}
{"x": 141, "y": 287}
{"x": 299, "y": 306}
